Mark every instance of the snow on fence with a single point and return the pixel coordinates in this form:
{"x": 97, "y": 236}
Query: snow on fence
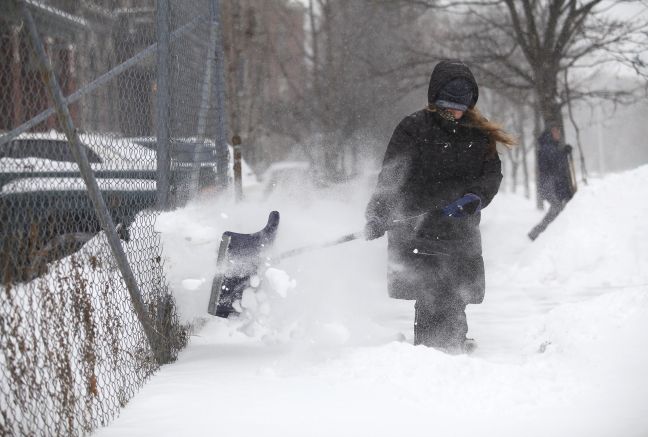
{"x": 109, "y": 113}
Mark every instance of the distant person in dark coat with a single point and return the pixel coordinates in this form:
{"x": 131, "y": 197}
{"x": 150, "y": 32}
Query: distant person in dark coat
{"x": 441, "y": 168}
{"x": 554, "y": 176}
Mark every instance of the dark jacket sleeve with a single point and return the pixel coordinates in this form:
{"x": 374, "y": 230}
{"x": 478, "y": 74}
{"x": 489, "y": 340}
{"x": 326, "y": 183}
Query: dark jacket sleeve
{"x": 487, "y": 185}
{"x": 393, "y": 174}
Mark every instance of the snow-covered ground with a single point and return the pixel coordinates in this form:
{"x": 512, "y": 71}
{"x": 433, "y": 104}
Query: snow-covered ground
{"x": 321, "y": 351}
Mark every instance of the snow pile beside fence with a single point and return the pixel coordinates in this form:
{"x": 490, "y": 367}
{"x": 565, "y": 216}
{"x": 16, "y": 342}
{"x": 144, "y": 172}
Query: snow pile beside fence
{"x": 74, "y": 351}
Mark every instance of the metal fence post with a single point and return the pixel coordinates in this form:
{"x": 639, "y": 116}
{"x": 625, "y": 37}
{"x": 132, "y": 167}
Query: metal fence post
{"x": 222, "y": 151}
{"x": 162, "y": 102}
{"x": 94, "y": 193}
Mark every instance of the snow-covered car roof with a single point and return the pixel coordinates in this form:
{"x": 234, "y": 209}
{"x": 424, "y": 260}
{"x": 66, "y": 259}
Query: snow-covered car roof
{"x": 76, "y": 184}
{"x": 115, "y": 153}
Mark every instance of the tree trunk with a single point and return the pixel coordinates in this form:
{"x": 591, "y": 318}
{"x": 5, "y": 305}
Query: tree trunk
{"x": 547, "y": 92}
{"x": 537, "y": 129}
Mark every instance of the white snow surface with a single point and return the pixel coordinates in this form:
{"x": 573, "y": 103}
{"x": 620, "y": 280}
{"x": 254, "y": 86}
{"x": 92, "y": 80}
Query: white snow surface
{"x": 320, "y": 350}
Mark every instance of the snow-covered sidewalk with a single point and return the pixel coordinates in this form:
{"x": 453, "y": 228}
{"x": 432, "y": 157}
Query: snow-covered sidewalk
{"x": 324, "y": 352}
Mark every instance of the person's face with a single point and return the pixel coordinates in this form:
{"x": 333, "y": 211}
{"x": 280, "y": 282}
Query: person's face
{"x": 456, "y": 113}
{"x": 555, "y": 133}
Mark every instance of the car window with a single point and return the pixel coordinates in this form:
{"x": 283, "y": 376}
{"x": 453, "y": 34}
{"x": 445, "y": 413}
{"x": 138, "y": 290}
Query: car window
{"x": 55, "y": 150}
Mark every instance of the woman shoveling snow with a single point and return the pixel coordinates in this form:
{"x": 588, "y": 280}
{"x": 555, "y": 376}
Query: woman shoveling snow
{"x": 440, "y": 169}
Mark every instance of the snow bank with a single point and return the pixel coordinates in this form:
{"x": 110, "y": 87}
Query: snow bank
{"x": 598, "y": 241}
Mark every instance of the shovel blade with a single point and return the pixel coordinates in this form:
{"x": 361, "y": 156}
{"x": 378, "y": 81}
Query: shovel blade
{"x": 239, "y": 258}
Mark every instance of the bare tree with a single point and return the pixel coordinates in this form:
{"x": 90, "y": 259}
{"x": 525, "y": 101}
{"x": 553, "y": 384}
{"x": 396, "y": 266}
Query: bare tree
{"x": 556, "y": 48}
{"x": 351, "y": 48}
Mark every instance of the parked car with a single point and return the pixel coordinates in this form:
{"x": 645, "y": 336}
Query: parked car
{"x": 45, "y": 209}
{"x": 196, "y": 158}
{"x": 286, "y": 178}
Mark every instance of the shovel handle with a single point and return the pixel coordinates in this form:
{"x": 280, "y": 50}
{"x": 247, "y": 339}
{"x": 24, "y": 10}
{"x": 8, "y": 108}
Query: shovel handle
{"x": 305, "y": 249}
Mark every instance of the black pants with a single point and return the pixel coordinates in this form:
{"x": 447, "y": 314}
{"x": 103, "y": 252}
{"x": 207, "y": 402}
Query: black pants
{"x": 555, "y": 209}
{"x": 440, "y": 322}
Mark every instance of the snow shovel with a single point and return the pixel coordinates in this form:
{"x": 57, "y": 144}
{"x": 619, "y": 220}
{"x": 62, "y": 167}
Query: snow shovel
{"x": 239, "y": 258}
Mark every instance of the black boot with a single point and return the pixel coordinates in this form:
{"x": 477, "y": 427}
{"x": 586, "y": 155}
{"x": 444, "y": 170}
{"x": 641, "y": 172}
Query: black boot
{"x": 441, "y": 325}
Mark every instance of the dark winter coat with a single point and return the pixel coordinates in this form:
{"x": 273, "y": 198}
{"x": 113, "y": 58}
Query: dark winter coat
{"x": 429, "y": 163}
{"x": 554, "y": 173}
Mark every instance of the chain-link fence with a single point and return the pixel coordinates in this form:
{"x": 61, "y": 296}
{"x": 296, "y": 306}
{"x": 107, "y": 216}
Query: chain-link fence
{"x": 142, "y": 82}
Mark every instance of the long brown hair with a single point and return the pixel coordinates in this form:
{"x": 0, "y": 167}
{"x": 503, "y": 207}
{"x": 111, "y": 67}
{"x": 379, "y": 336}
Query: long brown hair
{"x": 494, "y": 131}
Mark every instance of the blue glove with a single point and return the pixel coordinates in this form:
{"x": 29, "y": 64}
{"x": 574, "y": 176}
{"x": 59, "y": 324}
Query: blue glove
{"x": 469, "y": 204}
